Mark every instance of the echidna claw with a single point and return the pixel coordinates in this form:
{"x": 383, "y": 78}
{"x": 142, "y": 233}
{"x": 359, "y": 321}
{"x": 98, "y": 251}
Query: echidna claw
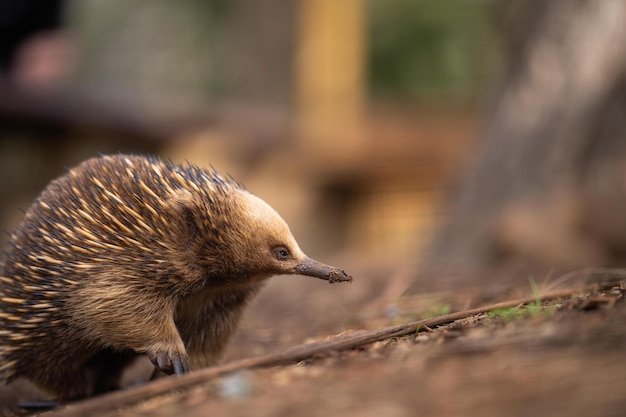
{"x": 170, "y": 363}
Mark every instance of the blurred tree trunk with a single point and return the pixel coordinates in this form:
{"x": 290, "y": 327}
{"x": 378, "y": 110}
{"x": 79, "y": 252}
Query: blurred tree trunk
{"x": 548, "y": 185}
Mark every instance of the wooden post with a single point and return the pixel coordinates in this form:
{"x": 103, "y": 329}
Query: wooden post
{"x": 329, "y": 75}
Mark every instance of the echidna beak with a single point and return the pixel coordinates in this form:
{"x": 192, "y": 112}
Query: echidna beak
{"x": 312, "y": 268}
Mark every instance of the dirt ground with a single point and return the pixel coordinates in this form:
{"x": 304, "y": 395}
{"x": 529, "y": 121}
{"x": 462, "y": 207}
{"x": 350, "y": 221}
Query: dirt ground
{"x": 565, "y": 358}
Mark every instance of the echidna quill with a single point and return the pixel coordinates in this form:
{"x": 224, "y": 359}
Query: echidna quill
{"x": 130, "y": 255}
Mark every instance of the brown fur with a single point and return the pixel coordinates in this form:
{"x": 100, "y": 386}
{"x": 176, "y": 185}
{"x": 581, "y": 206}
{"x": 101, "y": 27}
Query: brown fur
{"x": 129, "y": 255}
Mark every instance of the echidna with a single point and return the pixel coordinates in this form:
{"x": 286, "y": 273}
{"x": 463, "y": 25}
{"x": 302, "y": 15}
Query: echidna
{"x": 128, "y": 255}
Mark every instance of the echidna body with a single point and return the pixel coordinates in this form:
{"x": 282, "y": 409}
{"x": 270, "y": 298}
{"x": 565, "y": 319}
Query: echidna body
{"x": 128, "y": 255}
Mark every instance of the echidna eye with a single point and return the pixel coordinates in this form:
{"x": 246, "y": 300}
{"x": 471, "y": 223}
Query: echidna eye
{"x": 282, "y": 253}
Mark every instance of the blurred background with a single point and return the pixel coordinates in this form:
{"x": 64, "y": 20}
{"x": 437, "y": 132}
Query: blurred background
{"x": 348, "y": 117}
{"x": 422, "y": 145}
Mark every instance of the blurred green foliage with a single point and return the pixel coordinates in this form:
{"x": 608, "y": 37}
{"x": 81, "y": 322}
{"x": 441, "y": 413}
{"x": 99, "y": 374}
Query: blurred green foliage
{"x": 430, "y": 50}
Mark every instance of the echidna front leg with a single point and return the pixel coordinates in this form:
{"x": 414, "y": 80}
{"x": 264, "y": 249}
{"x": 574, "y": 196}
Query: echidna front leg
{"x": 146, "y": 328}
{"x": 167, "y": 351}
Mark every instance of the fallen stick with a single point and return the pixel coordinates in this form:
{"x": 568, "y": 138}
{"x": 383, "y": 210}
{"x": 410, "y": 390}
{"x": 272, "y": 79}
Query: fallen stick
{"x": 117, "y": 399}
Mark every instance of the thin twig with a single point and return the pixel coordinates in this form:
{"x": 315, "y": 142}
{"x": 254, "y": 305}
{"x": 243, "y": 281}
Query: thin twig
{"x": 114, "y": 400}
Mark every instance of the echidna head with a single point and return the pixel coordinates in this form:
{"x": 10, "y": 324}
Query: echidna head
{"x": 269, "y": 244}
{"x": 244, "y": 240}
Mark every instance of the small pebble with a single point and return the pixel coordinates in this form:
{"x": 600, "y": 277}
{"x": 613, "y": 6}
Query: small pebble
{"x": 235, "y": 386}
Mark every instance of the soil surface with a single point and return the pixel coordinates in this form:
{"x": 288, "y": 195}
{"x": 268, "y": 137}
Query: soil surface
{"x": 560, "y": 357}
